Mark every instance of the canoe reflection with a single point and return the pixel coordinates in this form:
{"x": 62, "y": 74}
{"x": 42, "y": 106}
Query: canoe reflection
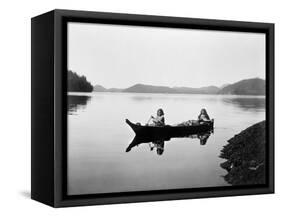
{"x": 158, "y": 142}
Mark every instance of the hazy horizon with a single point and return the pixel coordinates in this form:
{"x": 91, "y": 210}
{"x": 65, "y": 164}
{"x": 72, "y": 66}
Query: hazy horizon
{"x": 120, "y": 56}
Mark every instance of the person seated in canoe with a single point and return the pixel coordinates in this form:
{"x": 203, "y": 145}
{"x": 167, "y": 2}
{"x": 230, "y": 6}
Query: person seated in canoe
{"x": 202, "y": 117}
{"x": 159, "y": 120}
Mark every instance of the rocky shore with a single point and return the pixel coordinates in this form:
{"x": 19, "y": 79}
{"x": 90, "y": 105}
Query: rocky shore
{"x": 245, "y": 156}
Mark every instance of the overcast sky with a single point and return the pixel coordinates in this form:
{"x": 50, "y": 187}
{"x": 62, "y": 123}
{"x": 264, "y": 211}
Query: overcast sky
{"x": 121, "y": 56}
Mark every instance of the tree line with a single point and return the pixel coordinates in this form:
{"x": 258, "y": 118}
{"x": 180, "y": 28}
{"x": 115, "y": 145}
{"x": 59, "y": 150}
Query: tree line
{"x": 77, "y": 83}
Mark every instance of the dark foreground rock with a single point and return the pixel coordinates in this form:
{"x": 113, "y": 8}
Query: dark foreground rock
{"x": 245, "y": 155}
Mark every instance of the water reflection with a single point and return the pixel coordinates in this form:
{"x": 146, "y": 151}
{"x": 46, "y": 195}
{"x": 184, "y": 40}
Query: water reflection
{"x": 76, "y": 102}
{"x": 246, "y": 103}
{"x": 142, "y": 97}
{"x": 157, "y": 143}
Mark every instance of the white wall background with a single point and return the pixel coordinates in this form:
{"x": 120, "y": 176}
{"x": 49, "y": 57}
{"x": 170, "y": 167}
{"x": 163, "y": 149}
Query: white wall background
{"x": 15, "y": 106}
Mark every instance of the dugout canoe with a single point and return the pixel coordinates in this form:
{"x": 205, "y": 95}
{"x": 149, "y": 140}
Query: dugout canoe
{"x": 170, "y": 131}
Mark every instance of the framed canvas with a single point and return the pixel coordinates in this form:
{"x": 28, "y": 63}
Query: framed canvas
{"x": 134, "y": 108}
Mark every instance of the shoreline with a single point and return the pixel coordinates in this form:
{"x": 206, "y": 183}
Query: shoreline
{"x": 70, "y": 93}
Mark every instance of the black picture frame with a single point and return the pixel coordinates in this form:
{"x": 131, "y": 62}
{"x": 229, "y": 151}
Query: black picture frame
{"x": 49, "y": 104}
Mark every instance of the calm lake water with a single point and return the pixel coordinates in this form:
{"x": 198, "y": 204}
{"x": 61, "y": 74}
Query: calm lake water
{"x": 98, "y": 137}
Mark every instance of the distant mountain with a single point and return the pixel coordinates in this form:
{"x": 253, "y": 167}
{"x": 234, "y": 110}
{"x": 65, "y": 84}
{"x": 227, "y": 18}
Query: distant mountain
{"x": 142, "y": 88}
{"x": 99, "y": 88}
{"x": 255, "y": 86}
{"x": 224, "y": 85}
{"x": 200, "y": 90}
{"x": 114, "y": 90}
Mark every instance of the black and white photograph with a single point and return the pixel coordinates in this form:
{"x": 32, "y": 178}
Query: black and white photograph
{"x": 154, "y": 108}
{"x": 140, "y": 108}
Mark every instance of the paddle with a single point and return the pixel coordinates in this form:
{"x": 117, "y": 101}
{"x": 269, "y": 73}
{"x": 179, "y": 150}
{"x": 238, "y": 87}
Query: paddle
{"x": 148, "y": 120}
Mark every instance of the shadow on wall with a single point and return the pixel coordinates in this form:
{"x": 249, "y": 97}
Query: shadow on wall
{"x": 25, "y": 194}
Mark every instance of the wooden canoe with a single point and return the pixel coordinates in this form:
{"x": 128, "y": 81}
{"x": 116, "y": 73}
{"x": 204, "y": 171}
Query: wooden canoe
{"x": 170, "y": 131}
